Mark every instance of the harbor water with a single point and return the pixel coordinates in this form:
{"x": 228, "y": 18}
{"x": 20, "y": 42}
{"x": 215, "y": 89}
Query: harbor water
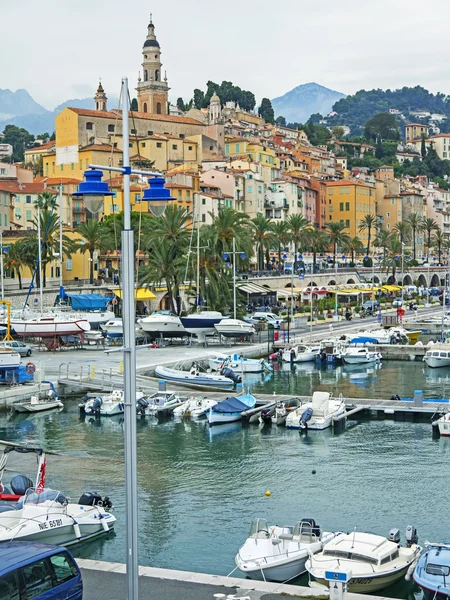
{"x": 200, "y": 487}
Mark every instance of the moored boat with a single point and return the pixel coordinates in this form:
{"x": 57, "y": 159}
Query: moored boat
{"x": 360, "y": 356}
{"x": 9, "y": 358}
{"x": 36, "y": 404}
{"x": 317, "y": 414}
{"x": 432, "y": 572}
{"x": 437, "y": 358}
{"x": 443, "y": 424}
{"x": 107, "y": 405}
{"x": 194, "y": 407}
{"x": 279, "y": 553}
{"x": 301, "y": 353}
{"x": 231, "y": 409}
{"x": 151, "y": 404}
{"x": 20, "y": 482}
{"x": 374, "y": 561}
{"x": 196, "y": 376}
{"x": 239, "y": 364}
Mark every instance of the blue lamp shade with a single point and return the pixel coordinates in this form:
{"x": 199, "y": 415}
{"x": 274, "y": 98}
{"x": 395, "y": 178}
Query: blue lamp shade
{"x": 242, "y": 255}
{"x": 225, "y": 256}
{"x": 380, "y": 258}
{"x": 93, "y": 190}
{"x": 285, "y": 256}
{"x": 157, "y": 196}
{"x": 396, "y": 257}
{"x": 300, "y": 257}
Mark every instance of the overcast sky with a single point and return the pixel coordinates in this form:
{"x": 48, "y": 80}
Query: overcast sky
{"x": 58, "y": 49}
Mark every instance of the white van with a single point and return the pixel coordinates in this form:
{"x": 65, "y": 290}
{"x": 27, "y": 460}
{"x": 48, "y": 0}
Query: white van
{"x": 268, "y": 317}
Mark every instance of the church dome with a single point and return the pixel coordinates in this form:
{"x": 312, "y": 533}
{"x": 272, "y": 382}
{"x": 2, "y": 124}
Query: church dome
{"x": 215, "y": 98}
{"x": 151, "y": 43}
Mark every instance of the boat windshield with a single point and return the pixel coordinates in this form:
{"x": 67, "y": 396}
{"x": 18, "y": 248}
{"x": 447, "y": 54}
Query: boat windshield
{"x": 350, "y": 556}
{"x": 257, "y": 526}
{"x": 442, "y": 570}
{"x": 33, "y": 497}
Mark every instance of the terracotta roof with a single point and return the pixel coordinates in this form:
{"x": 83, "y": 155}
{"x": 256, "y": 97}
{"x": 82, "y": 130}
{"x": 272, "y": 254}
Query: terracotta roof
{"x": 439, "y": 135}
{"x": 22, "y": 188}
{"x": 236, "y": 139}
{"x": 100, "y": 148}
{"x": 45, "y": 146}
{"x": 347, "y": 182}
{"x": 416, "y": 125}
{"x": 148, "y": 116}
{"x": 63, "y": 180}
{"x": 384, "y": 167}
{"x": 177, "y": 186}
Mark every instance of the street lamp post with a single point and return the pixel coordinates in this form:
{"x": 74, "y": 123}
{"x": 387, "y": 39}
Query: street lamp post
{"x": 93, "y": 192}
{"x": 226, "y": 256}
{"x": 403, "y": 270}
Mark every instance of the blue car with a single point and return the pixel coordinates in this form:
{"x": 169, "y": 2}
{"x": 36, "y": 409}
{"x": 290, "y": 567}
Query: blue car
{"x": 38, "y": 571}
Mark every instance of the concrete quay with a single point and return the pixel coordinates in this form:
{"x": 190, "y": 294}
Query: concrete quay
{"x": 107, "y": 581}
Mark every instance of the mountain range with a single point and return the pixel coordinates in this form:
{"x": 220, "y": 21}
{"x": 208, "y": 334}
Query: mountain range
{"x": 305, "y": 100}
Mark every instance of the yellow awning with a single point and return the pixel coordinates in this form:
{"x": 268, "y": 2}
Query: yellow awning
{"x": 392, "y": 288}
{"x": 139, "y": 294}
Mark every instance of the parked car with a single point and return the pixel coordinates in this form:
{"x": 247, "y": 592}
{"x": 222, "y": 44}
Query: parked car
{"x": 38, "y": 571}
{"x": 397, "y": 303}
{"x": 269, "y": 318}
{"x": 371, "y": 305}
{"x": 19, "y": 347}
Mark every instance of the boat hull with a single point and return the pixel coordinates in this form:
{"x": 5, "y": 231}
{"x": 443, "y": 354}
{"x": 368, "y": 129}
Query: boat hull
{"x": 49, "y": 328}
{"x": 27, "y": 407}
{"x": 434, "y": 362}
{"x": 360, "y": 360}
{"x": 282, "y": 572}
{"x": 238, "y": 366}
{"x": 186, "y": 377}
{"x": 371, "y": 583}
{"x": 221, "y": 418}
{"x": 299, "y": 358}
{"x": 163, "y": 326}
{"x": 198, "y": 325}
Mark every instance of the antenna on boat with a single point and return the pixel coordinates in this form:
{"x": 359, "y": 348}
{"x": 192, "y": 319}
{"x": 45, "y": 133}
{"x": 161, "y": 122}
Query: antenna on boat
{"x": 354, "y": 533}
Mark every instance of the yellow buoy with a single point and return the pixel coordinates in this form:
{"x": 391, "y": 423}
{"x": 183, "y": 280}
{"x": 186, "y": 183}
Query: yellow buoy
{"x": 267, "y": 493}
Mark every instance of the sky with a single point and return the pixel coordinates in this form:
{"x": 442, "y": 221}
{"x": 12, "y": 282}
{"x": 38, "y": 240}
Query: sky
{"x": 57, "y": 49}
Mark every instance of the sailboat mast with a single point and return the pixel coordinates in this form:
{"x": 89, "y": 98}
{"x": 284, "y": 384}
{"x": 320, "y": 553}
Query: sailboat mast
{"x": 198, "y": 263}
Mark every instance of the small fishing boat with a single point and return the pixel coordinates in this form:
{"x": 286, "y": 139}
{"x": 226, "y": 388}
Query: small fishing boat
{"x": 394, "y": 335}
{"x": 197, "y": 377}
{"x": 46, "y": 516}
{"x": 437, "y": 358}
{"x": 317, "y": 414}
{"x": 239, "y": 364}
{"x": 233, "y": 328}
{"x": 374, "y": 561}
{"x": 443, "y": 424}
{"x": 149, "y": 405}
{"x": 279, "y": 553}
{"x": 50, "y": 326}
{"x": 299, "y": 354}
{"x": 20, "y": 482}
{"x": 276, "y": 415}
{"x": 432, "y": 572}
{"x": 163, "y": 324}
{"x": 194, "y": 407}
{"x": 231, "y": 409}
{"x": 360, "y": 356}
{"x": 36, "y": 404}
{"x": 9, "y": 358}
{"x": 107, "y": 405}
{"x": 331, "y": 350}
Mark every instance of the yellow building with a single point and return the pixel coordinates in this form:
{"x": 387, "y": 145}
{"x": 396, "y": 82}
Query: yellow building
{"x": 95, "y": 154}
{"x": 33, "y": 155}
{"x": 349, "y": 202}
{"x": 414, "y": 131}
{"x": 165, "y": 151}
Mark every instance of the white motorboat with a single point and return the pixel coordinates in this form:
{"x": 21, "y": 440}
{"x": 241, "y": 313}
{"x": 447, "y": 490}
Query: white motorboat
{"x": 394, "y": 335}
{"x": 375, "y": 561}
{"x": 50, "y": 326}
{"x": 231, "y": 409}
{"x": 36, "y": 404}
{"x": 46, "y": 516}
{"x": 317, "y": 414}
{"x": 202, "y": 324}
{"x": 196, "y": 377}
{"x": 19, "y": 483}
{"x": 149, "y": 405}
{"x": 163, "y": 324}
{"x": 277, "y": 415}
{"x": 239, "y": 364}
{"x": 437, "y": 358}
{"x": 114, "y": 329}
{"x": 331, "y": 350}
{"x": 95, "y": 318}
{"x": 234, "y": 328}
{"x": 360, "y": 356}
{"x": 443, "y": 423}
{"x": 107, "y": 405}
{"x": 279, "y": 553}
{"x": 9, "y": 358}
{"x": 194, "y": 407}
{"x": 298, "y": 354}
{"x": 432, "y": 571}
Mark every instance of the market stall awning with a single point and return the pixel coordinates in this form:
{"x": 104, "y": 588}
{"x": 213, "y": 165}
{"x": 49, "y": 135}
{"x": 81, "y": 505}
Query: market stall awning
{"x": 254, "y": 288}
{"x": 139, "y": 294}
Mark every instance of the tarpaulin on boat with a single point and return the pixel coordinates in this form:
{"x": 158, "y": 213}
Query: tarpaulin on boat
{"x": 230, "y": 405}
{"x": 88, "y": 301}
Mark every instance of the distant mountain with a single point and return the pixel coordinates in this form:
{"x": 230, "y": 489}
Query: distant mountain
{"x": 19, "y": 108}
{"x": 305, "y": 100}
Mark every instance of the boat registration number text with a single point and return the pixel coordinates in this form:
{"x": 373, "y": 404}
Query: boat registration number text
{"x": 51, "y": 524}
{"x": 364, "y": 581}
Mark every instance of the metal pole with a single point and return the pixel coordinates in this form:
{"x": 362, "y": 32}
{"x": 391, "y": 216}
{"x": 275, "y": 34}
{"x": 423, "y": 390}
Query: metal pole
{"x": 60, "y": 240}
{"x": 311, "y": 317}
{"x": 292, "y": 280}
{"x": 1, "y": 263}
{"x": 198, "y": 255}
{"x": 40, "y": 257}
{"x": 403, "y": 268}
{"x": 336, "y": 295}
{"x": 129, "y": 366}
{"x": 234, "y": 277}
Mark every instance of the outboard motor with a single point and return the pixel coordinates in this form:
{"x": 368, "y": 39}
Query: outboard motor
{"x": 411, "y": 536}
{"x": 266, "y": 415}
{"x": 20, "y": 484}
{"x": 96, "y": 406}
{"x": 310, "y": 526}
{"x": 141, "y": 405}
{"x": 394, "y": 535}
{"x": 227, "y": 372}
{"x": 306, "y": 416}
{"x": 94, "y": 499}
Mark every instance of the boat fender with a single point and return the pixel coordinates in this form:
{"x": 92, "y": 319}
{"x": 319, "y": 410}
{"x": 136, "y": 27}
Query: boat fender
{"x": 411, "y": 568}
{"x": 77, "y": 530}
{"x": 30, "y": 368}
{"x": 104, "y": 523}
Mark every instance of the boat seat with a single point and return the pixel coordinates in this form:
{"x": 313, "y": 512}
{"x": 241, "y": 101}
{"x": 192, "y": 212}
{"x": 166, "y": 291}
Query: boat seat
{"x": 286, "y": 536}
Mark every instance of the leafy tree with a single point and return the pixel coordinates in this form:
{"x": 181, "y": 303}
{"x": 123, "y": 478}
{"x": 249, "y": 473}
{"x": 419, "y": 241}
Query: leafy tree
{"x": 262, "y": 235}
{"x": 337, "y": 236}
{"x": 280, "y": 121}
{"x": 298, "y": 227}
{"x": 45, "y": 137}
{"x": 316, "y": 241}
{"x": 423, "y": 147}
{"x": 36, "y": 166}
{"x": 15, "y": 259}
{"x": 280, "y": 236}
{"x": 180, "y": 104}
{"x": 368, "y": 223}
{"x": 265, "y": 111}
{"x": 227, "y": 225}
{"x": 355, "y": 246}
{"x": 403, "y": 230}
{"x": 95, "y": 238}
{"x": 46, "y": 201}
{"x": 134, "y": 105}
{"x": 379, "y": 150}
{"x": 338, "y": 132}
{"x": 227, "y": 92}
{"x": 19, "y": 138}
{"x": 383, "y": 241}
{"x": 438, "y": 241}
{"x": 429, "y": 225}
{"x": 382, "y": 126}
{"x": 394, "y": 254}
{"x": 199, "y": 99}
{"x": 417, "y": 224}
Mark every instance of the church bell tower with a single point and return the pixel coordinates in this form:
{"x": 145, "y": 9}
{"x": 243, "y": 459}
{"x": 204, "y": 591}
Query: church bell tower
{"x": 152, "y": 88}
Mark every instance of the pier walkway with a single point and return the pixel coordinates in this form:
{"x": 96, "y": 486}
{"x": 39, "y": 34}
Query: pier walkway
{"x": 106, "y": 581}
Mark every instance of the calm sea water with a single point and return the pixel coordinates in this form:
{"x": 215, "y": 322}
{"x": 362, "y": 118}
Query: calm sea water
{"x": 199, "y": 488}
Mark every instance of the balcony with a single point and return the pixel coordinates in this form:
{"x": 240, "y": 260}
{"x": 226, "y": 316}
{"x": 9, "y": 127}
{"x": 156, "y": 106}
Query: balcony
{"x": 278, "y": 204}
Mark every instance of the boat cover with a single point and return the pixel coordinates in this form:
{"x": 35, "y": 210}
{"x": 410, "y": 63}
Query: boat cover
{"x": 364, "y": 340}
{"x": 231, "y": 405}
{"x": 88, "y": 301}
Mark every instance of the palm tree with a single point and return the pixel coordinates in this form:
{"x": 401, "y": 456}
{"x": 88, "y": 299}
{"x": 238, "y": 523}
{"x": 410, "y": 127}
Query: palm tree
{"x": 416, "y": 223}
{"x": 15, "y": 259}
{"x": 95, "y": 238}
{"x": 383, "y": 241}
{"x": 355, "y": 246}
{"x": 316, "y": 241}
{"x": 262, "y": 234}
{"x": 280, "y": 236}
{"x": 368, "y": 222}
{"x": 227, "y": 225}
{"x": 403, "y": 230}
{"x": 429, "y": 225}
{"x": 394, "y": 252}
{"x": 337, "y": 236}
{"x": 439, "y": 240}
{"x": 46, "y": 201}
{"x": 298, "y": 227}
